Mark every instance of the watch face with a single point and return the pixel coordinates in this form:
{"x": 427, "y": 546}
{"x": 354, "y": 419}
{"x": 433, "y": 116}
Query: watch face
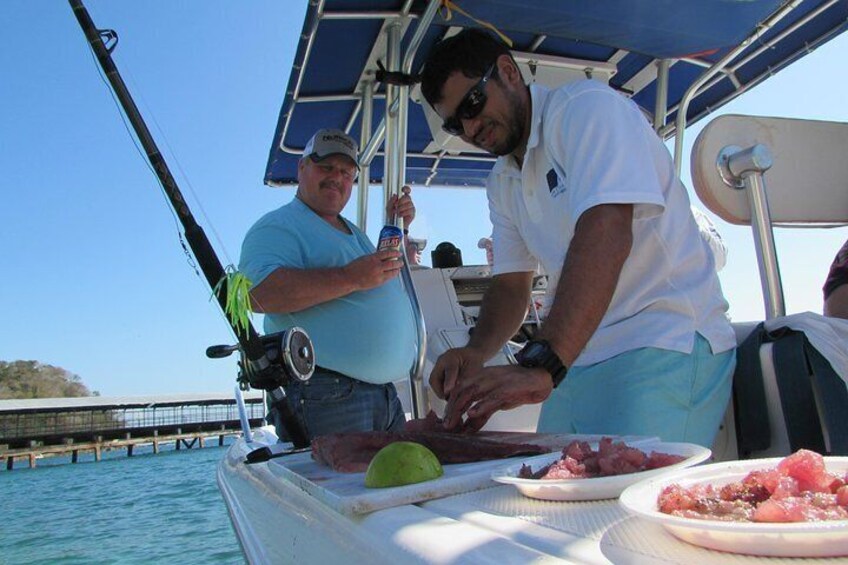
{"x": 540, "y": 354}
{"x": 532, "y": 354}
{"x": 534, "y": 349}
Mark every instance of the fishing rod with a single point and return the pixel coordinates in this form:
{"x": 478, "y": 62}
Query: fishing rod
{"x": 267, "y": 362}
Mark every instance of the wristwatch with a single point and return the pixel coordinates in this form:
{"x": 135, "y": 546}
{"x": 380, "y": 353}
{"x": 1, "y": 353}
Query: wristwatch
{"x": 538, "y": 353}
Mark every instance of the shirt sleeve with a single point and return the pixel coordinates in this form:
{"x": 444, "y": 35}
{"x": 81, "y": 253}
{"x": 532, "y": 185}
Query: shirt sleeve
{"x": 602, "y": 143}
{"x": 266, "y": 248}
{"x": 509, "y": 252}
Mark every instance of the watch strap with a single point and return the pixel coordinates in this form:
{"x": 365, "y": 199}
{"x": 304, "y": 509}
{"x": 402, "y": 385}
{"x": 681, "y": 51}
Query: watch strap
{"x": 539, "y": 353}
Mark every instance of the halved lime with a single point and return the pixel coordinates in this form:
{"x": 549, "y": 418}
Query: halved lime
{"x": 402, "y": 463}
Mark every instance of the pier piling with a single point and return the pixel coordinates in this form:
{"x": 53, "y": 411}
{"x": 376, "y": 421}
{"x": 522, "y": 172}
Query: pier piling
{"x": 68, "y": 427}
{"x": 97, "y": 448}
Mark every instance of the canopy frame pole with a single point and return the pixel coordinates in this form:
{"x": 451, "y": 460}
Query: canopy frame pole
{"x": 392, "y": 159}
{"x": 417, "y": 390}
{"x": 395, "y": 170}
{"x": 763, "y": 46}
{"x": 394, "y": 125}
{"x": 660, "y": 106}
{"x": 370, "y": 150}
{"x": 365, "y": 168}
{"x": 307, "y": 41}
{"x": 695, "y": 87}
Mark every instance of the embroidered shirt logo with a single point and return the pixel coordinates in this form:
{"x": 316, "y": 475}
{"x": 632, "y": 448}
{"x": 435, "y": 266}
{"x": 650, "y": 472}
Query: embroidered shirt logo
{"x": 554, "y": 185}
{"x": 552, "y": 180}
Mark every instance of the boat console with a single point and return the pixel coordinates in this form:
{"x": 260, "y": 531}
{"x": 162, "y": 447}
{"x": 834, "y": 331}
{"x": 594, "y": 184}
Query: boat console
{"x": 450, "y": 300}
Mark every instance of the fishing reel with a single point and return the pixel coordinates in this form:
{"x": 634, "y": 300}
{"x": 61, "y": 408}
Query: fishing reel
{"x": 289, "y": 355}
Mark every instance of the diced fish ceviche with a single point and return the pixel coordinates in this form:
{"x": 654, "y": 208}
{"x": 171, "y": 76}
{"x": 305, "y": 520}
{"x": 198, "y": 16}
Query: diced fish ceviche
{"x": 799, "y": 489}
{"x": 580, "y": 461}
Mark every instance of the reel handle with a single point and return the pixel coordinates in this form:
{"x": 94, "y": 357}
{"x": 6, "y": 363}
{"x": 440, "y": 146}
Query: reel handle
{"x": 220, "y": 351}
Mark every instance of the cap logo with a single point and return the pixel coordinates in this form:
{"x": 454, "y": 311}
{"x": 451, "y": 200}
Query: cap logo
{"x": 328, "y": 142}
{"x": 337, "y": 138}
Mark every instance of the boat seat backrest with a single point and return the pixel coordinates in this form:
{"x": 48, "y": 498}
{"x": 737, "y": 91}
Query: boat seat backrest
{"x": 807, "y": 184}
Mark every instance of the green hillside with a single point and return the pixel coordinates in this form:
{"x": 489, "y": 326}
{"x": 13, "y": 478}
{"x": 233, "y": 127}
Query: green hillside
{"x": 31, "y": 379}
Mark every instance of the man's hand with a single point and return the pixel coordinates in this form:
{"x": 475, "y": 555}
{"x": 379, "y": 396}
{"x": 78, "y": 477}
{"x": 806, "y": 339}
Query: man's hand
{"x": 450, "y": 366}
{"x": 402, "y": 207}
{"x": 371, "y": 271}
{"x": 484, "y": 392}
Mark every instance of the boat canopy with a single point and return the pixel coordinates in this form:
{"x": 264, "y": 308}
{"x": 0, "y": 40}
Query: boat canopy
{"x": 678, "y": 60}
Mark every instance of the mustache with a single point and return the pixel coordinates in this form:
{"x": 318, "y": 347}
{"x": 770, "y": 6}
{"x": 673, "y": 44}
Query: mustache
{"x": 330, "y": 184}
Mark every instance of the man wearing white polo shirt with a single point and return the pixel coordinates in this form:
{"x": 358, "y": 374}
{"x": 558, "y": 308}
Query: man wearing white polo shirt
{"x": 586, "y": 189}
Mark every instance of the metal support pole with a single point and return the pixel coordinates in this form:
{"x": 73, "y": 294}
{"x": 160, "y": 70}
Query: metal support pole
{"x": 391, "y": 160}
{"x": 370, "y": 149}
{"x": 402, "y": 121}
{"x": 397, "y": 106}
{"x": 417, "y": 390}
{"x": 365, "y": 169}
{"x": 418, "y": 393}
{"x": 764, "y": 243}
{"x": 242, "y": 412}
{"x": 660, "y": 106}
{"x": 743, "y": 169}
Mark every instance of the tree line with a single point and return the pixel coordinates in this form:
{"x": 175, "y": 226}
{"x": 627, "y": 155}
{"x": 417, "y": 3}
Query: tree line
{"x": 32, "y": 379}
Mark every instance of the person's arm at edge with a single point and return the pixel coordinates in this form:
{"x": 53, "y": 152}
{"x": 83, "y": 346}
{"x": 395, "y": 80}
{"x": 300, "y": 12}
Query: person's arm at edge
{"x": 836, "y": 305}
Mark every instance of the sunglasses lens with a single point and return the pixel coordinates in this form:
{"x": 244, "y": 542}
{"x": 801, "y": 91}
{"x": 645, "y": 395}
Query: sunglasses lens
{"x": 470, "y": 106}
{"x": 469, "y": 109}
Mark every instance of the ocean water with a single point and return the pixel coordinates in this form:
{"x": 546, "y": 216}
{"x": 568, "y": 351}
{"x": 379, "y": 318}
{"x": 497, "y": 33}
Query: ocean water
{"x": 162, "y": 508}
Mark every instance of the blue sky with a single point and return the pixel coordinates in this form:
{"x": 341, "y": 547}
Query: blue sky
{"x": 96, "y": 280}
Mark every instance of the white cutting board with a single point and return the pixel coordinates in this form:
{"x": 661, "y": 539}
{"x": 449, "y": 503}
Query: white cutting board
{"x": 347, "y": 494}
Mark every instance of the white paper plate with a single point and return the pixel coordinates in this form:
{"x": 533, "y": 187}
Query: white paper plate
{"x": 597, "y": 488}
{"x": 804, "y": 539}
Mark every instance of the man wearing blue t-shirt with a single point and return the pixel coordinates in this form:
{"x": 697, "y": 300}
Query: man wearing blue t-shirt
{"x": 312, "y": 268}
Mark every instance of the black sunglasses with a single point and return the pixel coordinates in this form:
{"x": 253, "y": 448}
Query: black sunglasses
{"x": 470, "y": 107}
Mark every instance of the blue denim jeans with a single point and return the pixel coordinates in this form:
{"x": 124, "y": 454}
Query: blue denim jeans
{"x": 331, "y": 402}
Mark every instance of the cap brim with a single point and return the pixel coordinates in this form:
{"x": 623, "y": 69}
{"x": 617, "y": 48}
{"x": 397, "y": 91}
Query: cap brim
{"x": 316, "y": 157}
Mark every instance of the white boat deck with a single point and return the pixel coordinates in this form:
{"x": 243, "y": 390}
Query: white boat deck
{"x": 280, "y": 518}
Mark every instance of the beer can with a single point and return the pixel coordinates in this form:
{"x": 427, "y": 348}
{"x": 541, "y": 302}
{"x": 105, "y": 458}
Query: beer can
{"x": 391, "y": 237}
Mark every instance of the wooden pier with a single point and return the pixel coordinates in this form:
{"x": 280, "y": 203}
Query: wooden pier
{"x": 41, "y": 428}
{"x": 97, "y": 447}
